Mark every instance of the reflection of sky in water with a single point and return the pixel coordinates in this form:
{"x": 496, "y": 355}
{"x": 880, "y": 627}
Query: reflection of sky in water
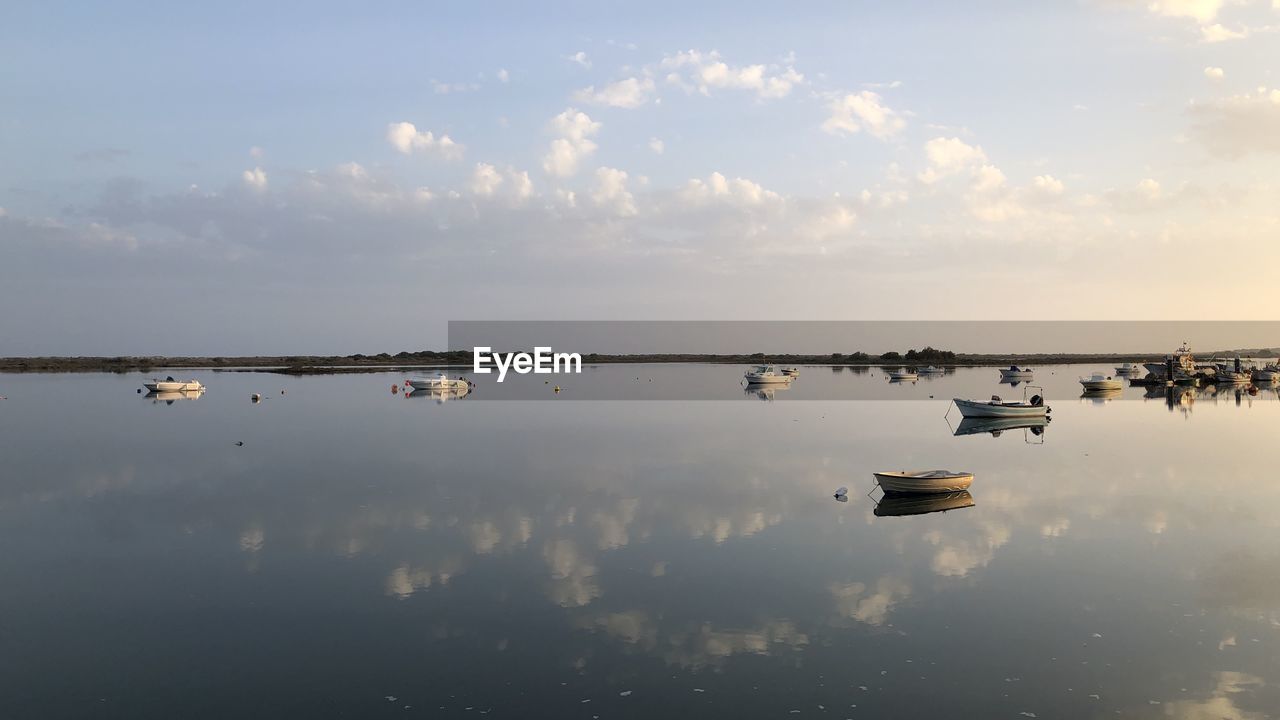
{"x": 524, "y": 557}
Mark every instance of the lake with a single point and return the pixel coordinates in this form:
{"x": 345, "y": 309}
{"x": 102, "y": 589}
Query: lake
{"x": 519, "y": 553}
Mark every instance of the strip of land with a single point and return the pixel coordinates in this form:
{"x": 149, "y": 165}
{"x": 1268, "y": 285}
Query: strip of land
{"x": 384, "y": 362}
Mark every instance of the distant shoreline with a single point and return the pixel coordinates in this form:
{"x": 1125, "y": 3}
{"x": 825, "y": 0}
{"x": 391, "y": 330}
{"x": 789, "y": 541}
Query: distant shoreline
{"x": 340, "y": 364}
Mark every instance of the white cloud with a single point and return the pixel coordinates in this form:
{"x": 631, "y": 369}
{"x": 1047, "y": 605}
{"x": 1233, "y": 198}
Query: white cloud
{"x": 706, "y": 70}
{"x": 575, "y": 129}
{"x": 1220, "y": 33}
{"x": 629, "y": 93}
{"x": 1048, "y": 185}
{"x": 1239, "y": 125}
{"x": 988, "y": 178}
{"x": 948, "y": 156}
{"x": 863, "y": 111}
{"x": 657, "y": 146}
{"x": 1214, "y": 73}
{"x": 580, "y": 58}
{"x": 1202, "y": 11}
{"x": 486, "y": 181}
{"x": 406, "y": 138}
{"x": 256, "y": 152}
{"x": 503, "y": 75}
{"x": 738, "y": 191}
{"x": 1149, "y": 189}
{"x": 255, "y": 178}
{"x": 611, "y": 192}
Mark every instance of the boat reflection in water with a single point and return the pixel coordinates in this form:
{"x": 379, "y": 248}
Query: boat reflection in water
{"x": 996, "y": 426}
{"x": 440, "y": 395}
{"x": 1101, "y": 397}
{"x": 764, "y": 391}
{"x": 902, "y": 505}
{"x": 168, "y": 397}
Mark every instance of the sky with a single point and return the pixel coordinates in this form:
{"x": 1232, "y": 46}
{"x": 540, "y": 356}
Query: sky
{"x": 247, "y": 178}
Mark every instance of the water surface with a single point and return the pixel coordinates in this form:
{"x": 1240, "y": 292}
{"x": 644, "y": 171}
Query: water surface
{"x": 367, "y": 555}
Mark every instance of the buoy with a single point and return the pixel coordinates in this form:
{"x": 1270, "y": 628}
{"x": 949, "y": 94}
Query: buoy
{"x": 139, "y": 391}
{"x": 255, "y": 397}
{"x": 395, "y": 389}
{"x": 281, "y": 392}
{"x": 841, "y": 491}
{"x": 557, "y": 388}
{"x": 239, "y": 443}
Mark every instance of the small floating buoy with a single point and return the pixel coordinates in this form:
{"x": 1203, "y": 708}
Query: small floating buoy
{"x": 841, "y": 491}
{"x": 395, "y": 389}
{"x": 557, "y": 388}
{"x": 239, "y": 443}
{"x": 282, "y": 392}
{"x": 256, "y": 397}
{"x": 139, "y": 391}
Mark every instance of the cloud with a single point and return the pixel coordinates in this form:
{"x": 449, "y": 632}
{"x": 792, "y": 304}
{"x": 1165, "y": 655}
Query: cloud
{"x": 1048, "y": 185}
{"x": 737, "y": 191}
{"x": 657, "y": 146}
{"x": 611, "y": 192}
{"x": 255, "y": 178}
{"x": 487, "y": 180}
{"x": 580, "y": 58}
{"x": 1220, "y": 33}
{"x": 1202, "y": 11}
{"x": 1214, "y": 73}
{"x": 503, "y": 75}
{"x": 707, "y": 71}
{"x": 863, "y": 111}
{"x": 629, "y": 93}
{"x": 1239, "y": 125}
{"x": 575, "y": 129}
{"x": 948, "y": 156}
{"x": 406, "y": 138}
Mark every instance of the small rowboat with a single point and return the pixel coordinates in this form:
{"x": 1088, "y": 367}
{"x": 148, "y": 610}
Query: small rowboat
{"x": 766, "y": 375}
{"x": 791, "y": 372}
{"x": 923, "y": 481}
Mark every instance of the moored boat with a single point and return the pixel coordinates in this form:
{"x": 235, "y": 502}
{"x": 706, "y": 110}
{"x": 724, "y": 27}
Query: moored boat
{"x": 171, "y": 385}
{"x": 439, "y": 382}
{"x": 766, "y": 375}
{"x": 914, "y": 482}
{"x": 999, "y": 408}
{"x": 1013, "y": 372}
{"x": 1129, "y": 370}
{"x": 901, "y": 375}
{"x": 931, "y": 370}
{"x": 791, "y": 372}
{"x": 1098, "y": 381}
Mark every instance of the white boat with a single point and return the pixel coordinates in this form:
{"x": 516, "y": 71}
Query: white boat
{"x": 1129, "y": 370}
{"x": 1184, "y": 363}
{"x": 1098, "y": 381}
{"x": 439, "y": 382}
{"x": 901, "y": 375}
{"x": 923, "y": 481}
{"x": 766, "y": 375}
{"x": 1268, "y": 374}
{"x": 998, "y": 408}
{"x": 791, "y": 372}
{"x": 1233, "y": 374}
{"x": 171, "y": 385}
{"x": 931, "y": 370}
{"x": 1013, "y": 372}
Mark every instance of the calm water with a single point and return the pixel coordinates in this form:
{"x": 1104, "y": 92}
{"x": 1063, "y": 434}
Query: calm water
{"x": 366, "y": 555}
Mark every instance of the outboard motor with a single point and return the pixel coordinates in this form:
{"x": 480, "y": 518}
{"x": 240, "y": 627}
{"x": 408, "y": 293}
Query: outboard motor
{"x": 1037, "y": 401}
